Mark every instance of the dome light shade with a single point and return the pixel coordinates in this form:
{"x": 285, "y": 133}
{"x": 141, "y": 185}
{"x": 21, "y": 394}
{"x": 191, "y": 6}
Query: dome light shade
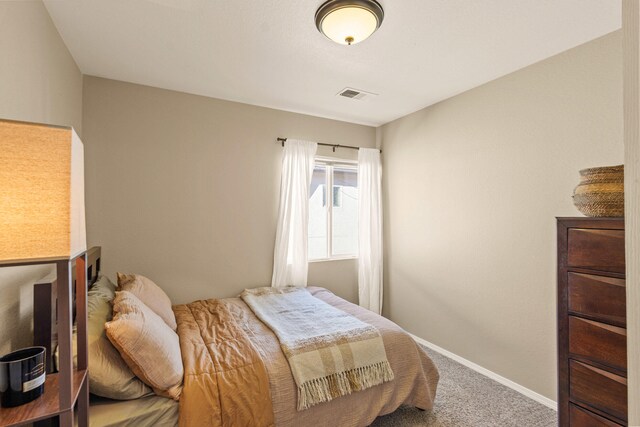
{"x": 349, "y": 22}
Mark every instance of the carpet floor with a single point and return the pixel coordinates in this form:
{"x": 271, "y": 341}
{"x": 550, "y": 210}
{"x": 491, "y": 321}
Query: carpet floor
{"x": 466, "y": 398}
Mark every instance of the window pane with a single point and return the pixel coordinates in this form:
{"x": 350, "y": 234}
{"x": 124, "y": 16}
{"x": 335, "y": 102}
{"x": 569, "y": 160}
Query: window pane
{"x": 318, "y": 214}
{"x": 344, "y": 233}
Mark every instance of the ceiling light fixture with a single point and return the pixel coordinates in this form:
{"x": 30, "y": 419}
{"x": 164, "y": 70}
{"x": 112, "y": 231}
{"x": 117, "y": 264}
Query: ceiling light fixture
{"x": 349, "y": 21}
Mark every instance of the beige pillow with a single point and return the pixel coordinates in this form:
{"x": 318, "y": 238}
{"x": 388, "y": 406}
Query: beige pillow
{"x": 148, "y": 346}
{"x": 150, "y": 294}
{"x": 109, "y": 375}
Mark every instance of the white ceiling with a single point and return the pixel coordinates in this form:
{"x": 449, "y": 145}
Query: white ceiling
{"x": 269, "y": 53}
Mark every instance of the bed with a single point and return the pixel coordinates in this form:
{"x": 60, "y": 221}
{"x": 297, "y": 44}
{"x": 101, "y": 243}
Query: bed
{"x": 415, "y": 381}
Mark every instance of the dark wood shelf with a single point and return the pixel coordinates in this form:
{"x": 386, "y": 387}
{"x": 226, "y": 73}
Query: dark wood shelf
{"x": 46, "y": 406}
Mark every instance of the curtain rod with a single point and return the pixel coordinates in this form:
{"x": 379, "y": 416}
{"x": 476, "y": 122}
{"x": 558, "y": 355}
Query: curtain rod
{"x": 334, "y": 146}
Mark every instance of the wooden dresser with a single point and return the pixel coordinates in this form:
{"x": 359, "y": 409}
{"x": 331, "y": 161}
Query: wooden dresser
{"x": 592, "y": 337}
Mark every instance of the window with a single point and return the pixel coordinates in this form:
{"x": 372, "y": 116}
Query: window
{"x": 333, "y": 215}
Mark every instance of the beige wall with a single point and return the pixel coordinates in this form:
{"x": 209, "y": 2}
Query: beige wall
{"x": 185, "y": 188}
{"x": 39, "y": 82}
{"x": 472, "y": 186}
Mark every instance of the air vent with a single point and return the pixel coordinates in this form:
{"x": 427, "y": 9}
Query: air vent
{"x": 355, "y": 93}
{"x": 349, "y": 93}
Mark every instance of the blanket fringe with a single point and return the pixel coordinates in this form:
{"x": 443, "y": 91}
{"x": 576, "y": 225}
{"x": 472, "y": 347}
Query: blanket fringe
{"x": 342, "y": 383}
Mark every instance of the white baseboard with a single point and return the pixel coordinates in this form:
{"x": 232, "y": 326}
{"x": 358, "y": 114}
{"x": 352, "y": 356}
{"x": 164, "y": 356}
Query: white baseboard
{"x": 502, "y": 380}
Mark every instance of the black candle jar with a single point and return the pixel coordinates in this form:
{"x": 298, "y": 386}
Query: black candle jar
{"x": 22, "y": 376}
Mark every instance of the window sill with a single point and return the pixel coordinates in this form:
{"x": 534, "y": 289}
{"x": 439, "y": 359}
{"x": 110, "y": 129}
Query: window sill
{"x": 342, "y": 258}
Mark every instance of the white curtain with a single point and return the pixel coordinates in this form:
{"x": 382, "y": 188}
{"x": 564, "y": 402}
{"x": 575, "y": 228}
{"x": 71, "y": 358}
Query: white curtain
{"x": 370, "y": 240}
{"x": 290, "y": 258}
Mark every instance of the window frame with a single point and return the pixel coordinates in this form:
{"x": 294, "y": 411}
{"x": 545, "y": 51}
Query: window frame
{"x": 329, "y": 163}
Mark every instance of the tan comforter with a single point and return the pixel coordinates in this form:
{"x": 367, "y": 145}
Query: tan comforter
{"x": 225, "y": 380}
{"x": 235, "y": 345}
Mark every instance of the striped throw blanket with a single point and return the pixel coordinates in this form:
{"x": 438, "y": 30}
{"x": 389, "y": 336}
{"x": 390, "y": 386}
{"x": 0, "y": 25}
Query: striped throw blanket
{"x": 330, "y": 352}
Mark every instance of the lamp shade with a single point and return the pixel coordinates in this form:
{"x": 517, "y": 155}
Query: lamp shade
{"x": 41, "y": 192}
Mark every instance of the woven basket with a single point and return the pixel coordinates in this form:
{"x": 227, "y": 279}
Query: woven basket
{"x": 600, "y": 192}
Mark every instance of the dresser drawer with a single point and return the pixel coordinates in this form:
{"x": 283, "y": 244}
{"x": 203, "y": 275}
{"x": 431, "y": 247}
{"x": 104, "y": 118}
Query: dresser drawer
{"x": 594, "y": 249}
{"x": 598, "y": 296}
{"x": 599, "y": 342}
{"x": 598, "y": 388}
{"x": 580, "y": 417}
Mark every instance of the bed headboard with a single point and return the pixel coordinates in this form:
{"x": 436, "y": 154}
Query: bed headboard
{"x": 45, "y": 303}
